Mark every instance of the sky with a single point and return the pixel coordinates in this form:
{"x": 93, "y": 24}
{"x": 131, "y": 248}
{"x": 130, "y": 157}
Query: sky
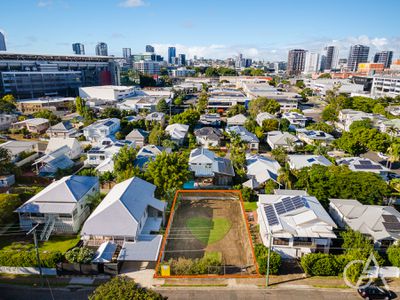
{"x": 260, "y": 29}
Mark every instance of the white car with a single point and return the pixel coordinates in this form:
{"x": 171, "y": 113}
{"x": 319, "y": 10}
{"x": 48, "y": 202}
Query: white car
{"x": 383, "y": 156}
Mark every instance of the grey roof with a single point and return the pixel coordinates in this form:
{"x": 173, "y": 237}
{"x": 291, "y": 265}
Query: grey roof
{"x": 16, "y": 147}
{"x": 105, "y": 252}
{"x": 124, "y": 207}
{"x": 62, "y": 126}
{"x": 59, "y": 195}
{"x": 302, "y": 161}
{"x": 146, "y": 248}
{"x": 137, "y": 133}
{"x": 362, "y": 164}
{"x": 244, "y": 134}
{"x": 223, "y": 166}
{"x": 210, "y": 132}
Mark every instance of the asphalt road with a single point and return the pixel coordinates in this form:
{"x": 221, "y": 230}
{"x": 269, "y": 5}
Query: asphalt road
{"x": 8, "y": 292}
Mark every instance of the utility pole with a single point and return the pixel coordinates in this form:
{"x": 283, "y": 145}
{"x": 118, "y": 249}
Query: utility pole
{"x": 269, "y": 256}
{"x": 33, "y": 231}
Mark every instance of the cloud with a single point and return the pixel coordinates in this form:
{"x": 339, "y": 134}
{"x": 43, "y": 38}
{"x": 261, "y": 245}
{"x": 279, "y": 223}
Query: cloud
{"x": 132, "y": 3}
{"x": 44, "y": 3}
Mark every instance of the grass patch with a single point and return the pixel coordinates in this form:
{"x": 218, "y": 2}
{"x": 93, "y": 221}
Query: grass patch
{"x": 250, "y": 206}
{"x": 194, "y": 285}
{"x": 209, "y": 231}
{"x": 60, "y": 243}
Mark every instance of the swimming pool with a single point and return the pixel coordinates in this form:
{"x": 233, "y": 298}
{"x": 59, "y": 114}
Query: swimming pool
{"x": 188, "y": 185}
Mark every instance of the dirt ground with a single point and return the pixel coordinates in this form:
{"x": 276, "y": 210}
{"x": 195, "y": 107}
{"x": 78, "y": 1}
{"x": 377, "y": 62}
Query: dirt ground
{"x": 234, "y": 246}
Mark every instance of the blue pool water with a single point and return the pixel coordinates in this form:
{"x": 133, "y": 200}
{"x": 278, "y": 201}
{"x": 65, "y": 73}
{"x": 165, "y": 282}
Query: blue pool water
{"x": 188, "y": 185}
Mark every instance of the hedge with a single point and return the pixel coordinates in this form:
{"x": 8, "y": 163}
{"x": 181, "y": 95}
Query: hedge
{"x": 25, "y": 256}
{"x": 275, "y": 261}
{"x": 186, "y": 266}
{"x": 8, "y": 204}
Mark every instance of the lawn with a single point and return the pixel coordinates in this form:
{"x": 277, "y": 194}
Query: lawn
{"x": 60, "y": 243}
{"x": 209, "y": 231}
{"x": 250, "y": 206}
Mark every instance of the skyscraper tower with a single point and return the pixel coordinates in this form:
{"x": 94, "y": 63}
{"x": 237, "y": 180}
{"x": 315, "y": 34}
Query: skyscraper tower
{"x": 101, "y": 49}
{"x": 149, "y": 49}
{"x": 296, "y": 61}
{"x": 126, "y": 53}
{"x": 78, "y": 48}
{"x": 2, "y": 42}
{"x": 171, "y": 55}
{"x": 358, "y": 54}
{"x": 332, "y": 55}
{"x": 384, "y": 57}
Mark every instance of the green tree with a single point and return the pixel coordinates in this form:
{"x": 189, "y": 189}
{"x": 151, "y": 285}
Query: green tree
{"x": 325, "y": 75}
{"x": 162, "y": 106}
{"x": 280, "y": 155}
{"x": 81, "y": 255}
{"x": 111, "y": 112}
{"x": 168, "y": 171}
{"x": 202, "y": 102}
{"x": 394, "y": 154}
{"x": 8, "y": 204}
{"x": 393, "y": 253}
{"x": 188, "y": 117}
{"x": 262, "y": 104}
{"x": 123, "y": 288}
{"x": 157, "y": 135}
{"x": 235, "y": 110}
{"x": 321, "y": 126}
{"x": 6, "y": 166}
{"x": 80, "y": 105}
{"x": 146, "y": 80}
{"x": 49, "y": 115}
{"x": 124, "y": 164}
{"x": 270, "y": 125}
{"x": 261, "y": 253}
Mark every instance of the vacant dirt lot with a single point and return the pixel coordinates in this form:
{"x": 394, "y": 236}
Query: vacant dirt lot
{"x": 234, "y": 246}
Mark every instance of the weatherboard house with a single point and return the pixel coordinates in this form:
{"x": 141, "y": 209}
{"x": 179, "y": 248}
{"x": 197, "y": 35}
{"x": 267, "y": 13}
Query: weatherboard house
{"x": 61, "y": 207}
{"x": 129, "y": 216}
{"x": 294, "y": 223}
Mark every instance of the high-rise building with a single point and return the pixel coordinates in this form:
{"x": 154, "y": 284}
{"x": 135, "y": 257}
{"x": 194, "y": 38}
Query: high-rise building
{"x": 384, "y": 57}
{"x": 332, "y": 55}
{"x": 182, "y": 59}
{"x": 149, "y": 49}
{"x": 311, "y": 63}
{"x": 147, "y": 67}
{"x": 296, "y": 61}
{"x": 358, "y": 54}
{"x": 126, "y": 53}
{"x": 78, "y": 48}
{"x": 101, "y": 49}
{"x": 171, "y": 54}
{"x": 2, "y": 42}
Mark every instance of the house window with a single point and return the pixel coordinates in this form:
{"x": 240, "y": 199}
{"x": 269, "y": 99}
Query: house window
{"x": 302, "y": 241}
{"x": 281, "y": 241}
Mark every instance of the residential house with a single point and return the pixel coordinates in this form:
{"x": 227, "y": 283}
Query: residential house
{"x": 177, "y": 132}
{"x": 142, "y": 103}
{"x": 105, "y": 152}
{"x": 222, "y": 99}
{"x": 296, "y": 119}
{"x": 7, "y": 180}
{"x": 362, "y": 164}
{"x": 75, "y": 149}
{"x": 148, "y": 153}
{"x": 286, "y": 140}
{"x": 346, "y": 117}
{"x": 209, "y": 168}
{"x": 129, "y": 216}
{"x": 16, "y": 149}
{"x": 298, "y": 162}
{"x": 294, "y": 224}
{"x": 36, "y": 125}
{"x": 50, "y": 163}
{"x": 157, "y": 117}
{"x": 314, "y": 137}
{"x": 237, "y": 120}
{"x": 63, "y": 129}
{"x": 6, "y": 120}
{"x": 391, "y": 127}
{"x": 138, "y": 136}
{"x": 210, "y": 119}
{"x": 101, "y": 129}
{"x": 208, "y": 137}
{"x": 261, "y": 117}
{"x": 260, "y": 169}
{"x": 246, "y": 136}
{"x": 61, "y": 207}
{"x": 380, "y": 223}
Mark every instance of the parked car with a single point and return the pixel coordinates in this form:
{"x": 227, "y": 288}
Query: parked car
{"x": 382, "y": 155}
{"x": 374, "y": 292}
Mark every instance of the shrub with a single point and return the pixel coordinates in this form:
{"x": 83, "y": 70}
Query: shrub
{"x": 320, "y": 264}
{"x": 393, "y": 253}
{"x": 275, "y": 261}
{"x": 186, "y": 266}
{"x": 123, "y": 288}
{"x": 8, "y": 204}
{"x": 80, "y": 255}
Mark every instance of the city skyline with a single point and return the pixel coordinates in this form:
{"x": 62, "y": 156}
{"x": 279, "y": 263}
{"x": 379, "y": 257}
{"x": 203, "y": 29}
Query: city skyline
{"x": 221, "y": 31}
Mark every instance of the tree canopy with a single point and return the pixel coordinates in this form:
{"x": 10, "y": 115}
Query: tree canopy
{"x": 188, "y": 117}
{"x": 262, "y": 104}
{"x": 235, "y": 110}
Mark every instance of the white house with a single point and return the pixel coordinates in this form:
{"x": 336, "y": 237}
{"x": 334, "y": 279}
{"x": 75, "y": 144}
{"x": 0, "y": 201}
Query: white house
{"x": 261, "y": 117}
{"x": 55, "y": 143}
{"x": 148, "y": 153}
{"x": 382, "y": 223}
{"x": 260, "y": 169}
{"x": 207, "y": 166}
{"x": 107, "y": 92}
{"x": 16, "y": 148}
{"x": 61, "y": 207}
{"x": 6, "y": 120}
{"x": 237, "y": 120}
{"x": 296, "y": 119}
{"x": 63, "y": 129}
{"x": 313, "y": 137}
{"x": 297, "y": 162}
{"x": 210, "y": 119}
{"x": 295, "y": 224}
{"x": 246, "y": 136}
{"x": 138, "y": 136}
{"x": 157, "y": 117}
{"x": 177, "y": 132}
{"x": 208, "y": 137}
{"x": 391, "y": 127}
{"x": 101, "y": 129}
{"x": 129, "y": 216}
{"x": 346, "y": 117}
{"x": 283, "y": 139}
{"x": 363, "y": 164}
{"x": 99, "y": 154}
{"x": 50, "y": 163}
{"x": 36, "y": 125}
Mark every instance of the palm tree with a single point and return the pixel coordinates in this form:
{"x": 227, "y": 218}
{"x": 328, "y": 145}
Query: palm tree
{"x": 284, "y": 177}
{"x": 394, "y": 154}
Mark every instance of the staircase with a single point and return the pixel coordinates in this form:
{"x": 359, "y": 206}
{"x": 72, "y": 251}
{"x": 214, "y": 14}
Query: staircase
{"x": 47, "y": 229}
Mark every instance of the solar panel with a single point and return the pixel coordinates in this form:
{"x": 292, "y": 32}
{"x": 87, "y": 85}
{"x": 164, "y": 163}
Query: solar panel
{"x": 368, "y": 167}
{"x": 280, "y": 208}
{"x": 390, "y": 218}
{"x": 108, "y": 123}
{"x": 271, "y": 216}
{"x": 287, "y": 202}
{"x": 365, "y": 162}
{"x": 298, "y": 202}
{"x": 392, "y": 226}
